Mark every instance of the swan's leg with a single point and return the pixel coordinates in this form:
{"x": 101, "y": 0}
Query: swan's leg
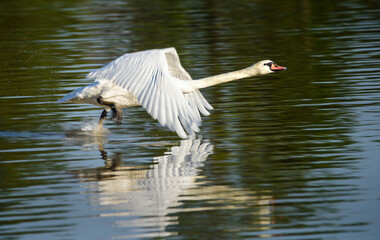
{"x": 102, "y": 118}
{"x": 117, "y": 114}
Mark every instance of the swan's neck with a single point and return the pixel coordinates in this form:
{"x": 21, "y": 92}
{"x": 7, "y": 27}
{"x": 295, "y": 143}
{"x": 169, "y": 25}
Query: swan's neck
{"x": 222, "y": 78}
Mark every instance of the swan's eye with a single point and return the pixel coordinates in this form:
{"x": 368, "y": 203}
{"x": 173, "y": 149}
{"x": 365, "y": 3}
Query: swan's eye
{"x": 269, "y": 64}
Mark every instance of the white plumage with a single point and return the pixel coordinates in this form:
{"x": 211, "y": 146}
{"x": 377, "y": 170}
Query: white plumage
{"x": 156, "y": 80}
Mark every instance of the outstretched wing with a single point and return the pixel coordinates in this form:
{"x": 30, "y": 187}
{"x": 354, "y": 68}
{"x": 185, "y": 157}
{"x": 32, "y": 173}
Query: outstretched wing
{"x": 152, "y": 77}
{"x": 195, "y": 99}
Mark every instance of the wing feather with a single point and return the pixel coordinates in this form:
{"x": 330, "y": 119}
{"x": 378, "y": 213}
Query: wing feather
{"x": 177, "y": 71}
{"x": 152, "y": 77}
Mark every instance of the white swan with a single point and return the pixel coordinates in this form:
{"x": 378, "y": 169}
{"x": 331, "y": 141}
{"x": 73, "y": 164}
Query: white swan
{"x": 156, "y": 80}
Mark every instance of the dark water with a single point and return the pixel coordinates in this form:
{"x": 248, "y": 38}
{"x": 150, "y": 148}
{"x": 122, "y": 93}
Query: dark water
{"x": 293, "y": 155}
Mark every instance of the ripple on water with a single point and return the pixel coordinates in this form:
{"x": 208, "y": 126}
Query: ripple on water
{"x": 286, "y": 156}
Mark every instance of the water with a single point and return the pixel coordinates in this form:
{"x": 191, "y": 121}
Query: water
{"x": 293, "y": 155}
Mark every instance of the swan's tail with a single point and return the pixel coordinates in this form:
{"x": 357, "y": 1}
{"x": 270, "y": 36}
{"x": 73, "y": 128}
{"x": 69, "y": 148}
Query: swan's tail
{"x": 74, "y": 96}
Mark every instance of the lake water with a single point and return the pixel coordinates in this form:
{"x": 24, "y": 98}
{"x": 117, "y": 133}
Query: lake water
{"x": 291, "y": 155}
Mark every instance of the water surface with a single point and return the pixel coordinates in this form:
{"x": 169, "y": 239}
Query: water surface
{"x": 292, "y": 155}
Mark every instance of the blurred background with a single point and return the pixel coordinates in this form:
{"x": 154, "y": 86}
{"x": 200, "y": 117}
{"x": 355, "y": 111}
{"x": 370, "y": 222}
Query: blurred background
{"x": 291, "y": 155}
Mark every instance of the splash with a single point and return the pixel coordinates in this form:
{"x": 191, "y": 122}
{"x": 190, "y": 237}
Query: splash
{"x": 93, "y": 128}
{"x": 88, "y": 135}
{"x": 87, "y": 129}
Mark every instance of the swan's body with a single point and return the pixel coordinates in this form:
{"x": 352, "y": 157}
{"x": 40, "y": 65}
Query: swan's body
{"x": 156, "y": 80}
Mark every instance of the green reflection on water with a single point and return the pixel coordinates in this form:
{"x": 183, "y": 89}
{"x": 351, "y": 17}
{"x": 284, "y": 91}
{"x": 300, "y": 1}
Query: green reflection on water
{"x": 284, "y": 138}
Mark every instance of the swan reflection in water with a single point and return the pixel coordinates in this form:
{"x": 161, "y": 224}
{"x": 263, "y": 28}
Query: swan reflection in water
{"x": 144, "y": 199}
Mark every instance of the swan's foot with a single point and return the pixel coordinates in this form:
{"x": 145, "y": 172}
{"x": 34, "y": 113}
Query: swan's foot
{"x": 117, "y": 114}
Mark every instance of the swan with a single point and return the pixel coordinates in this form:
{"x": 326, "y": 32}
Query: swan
{"x": 156, "y": 80}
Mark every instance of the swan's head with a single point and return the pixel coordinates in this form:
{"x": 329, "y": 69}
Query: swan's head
{"x": 266, "y": 66}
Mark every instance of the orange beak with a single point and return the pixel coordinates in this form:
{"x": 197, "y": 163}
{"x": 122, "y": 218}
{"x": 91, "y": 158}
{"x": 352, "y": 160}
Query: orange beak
{"x": 275, "y": 67}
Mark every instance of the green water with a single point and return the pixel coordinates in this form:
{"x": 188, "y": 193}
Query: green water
{"x": 291, "y": 155}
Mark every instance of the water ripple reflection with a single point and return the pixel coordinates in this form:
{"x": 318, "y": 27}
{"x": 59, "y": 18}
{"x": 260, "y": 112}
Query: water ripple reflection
{"x": 141, "y": 197}
{"x": 292, "y": 155}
